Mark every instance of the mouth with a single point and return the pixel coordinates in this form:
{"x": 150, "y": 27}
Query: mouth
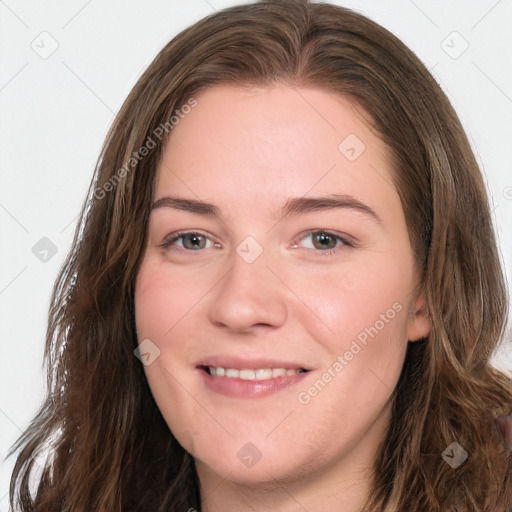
{"x": 257, "y": 374}
{"x": 247, "y": 383}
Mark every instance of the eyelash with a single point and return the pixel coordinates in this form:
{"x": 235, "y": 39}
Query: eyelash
{"x": 345, "y": 243}
{"x": 179, "y": 234}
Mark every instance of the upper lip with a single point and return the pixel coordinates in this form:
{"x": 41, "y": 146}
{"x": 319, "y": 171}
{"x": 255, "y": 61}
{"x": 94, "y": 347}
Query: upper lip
{"x": 251, "y": 364}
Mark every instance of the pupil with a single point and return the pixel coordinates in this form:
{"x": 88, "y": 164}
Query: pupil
{"x": 193, "y": 242}
{"x": 325, "y": 241}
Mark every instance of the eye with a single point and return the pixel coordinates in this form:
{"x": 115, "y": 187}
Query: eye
{"x": 189, "y": 241}
{"x": 323, "y": 241}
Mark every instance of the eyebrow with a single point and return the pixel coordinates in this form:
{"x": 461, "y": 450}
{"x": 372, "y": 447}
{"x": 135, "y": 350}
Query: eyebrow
{"x": 301, "y": 205}
{"x": 187, "y": 205}
{"x": 293, "y": 206}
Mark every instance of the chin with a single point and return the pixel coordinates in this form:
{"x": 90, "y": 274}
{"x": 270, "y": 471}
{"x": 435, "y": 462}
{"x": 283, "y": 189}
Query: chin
{"x": 243, "y": 463}
{"x": 263, "y": 472}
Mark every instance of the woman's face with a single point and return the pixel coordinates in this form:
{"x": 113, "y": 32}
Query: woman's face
{"x": 277, "y": 244}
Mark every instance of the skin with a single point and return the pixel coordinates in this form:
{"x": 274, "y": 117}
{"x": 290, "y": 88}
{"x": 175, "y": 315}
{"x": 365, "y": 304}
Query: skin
{"x": 248, "y": 151}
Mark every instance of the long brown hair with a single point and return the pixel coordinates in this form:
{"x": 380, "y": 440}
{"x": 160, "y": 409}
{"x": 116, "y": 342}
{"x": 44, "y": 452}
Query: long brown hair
{"x": 109, "y": 447}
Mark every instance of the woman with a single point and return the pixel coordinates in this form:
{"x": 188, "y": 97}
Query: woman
{"x": 285, "y": 229}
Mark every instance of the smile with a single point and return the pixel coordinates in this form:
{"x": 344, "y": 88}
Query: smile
{"x": 250, "y": 374}
{"x": 247, "y": 383}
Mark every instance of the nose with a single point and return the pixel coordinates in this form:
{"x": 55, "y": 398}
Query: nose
{"x": 250, "y": 295}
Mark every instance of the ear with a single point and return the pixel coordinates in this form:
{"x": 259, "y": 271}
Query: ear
{"x": 418, "y": 322}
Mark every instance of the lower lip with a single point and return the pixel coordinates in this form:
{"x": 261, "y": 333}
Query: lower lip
{"x": 239, "y": 388}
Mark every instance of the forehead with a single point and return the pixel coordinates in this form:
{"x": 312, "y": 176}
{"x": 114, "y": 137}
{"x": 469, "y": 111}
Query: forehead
{"x": 264, "y": 145}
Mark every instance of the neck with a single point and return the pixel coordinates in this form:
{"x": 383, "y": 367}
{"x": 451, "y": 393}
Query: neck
{"x": 326, "y": 495}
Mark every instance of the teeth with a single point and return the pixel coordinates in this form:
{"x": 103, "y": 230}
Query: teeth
{"x": 264, "y": 374}
{"x": 246, "y": 374}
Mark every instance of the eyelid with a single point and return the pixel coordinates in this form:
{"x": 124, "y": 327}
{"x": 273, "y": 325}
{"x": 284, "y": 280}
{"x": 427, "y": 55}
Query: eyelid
{"x": 174, "y": 236}
{"x": 346, "y": 240}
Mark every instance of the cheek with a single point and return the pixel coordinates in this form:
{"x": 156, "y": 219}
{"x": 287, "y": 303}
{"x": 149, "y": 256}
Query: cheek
{"x": 349, "y": 300}
{"x": 163, "y": 300}
{"x": 162, "y": 306}
{"x": 360, "y": 319}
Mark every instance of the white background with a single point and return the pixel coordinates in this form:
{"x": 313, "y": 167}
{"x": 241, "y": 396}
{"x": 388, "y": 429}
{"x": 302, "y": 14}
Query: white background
{"x": 55, "y": 112}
